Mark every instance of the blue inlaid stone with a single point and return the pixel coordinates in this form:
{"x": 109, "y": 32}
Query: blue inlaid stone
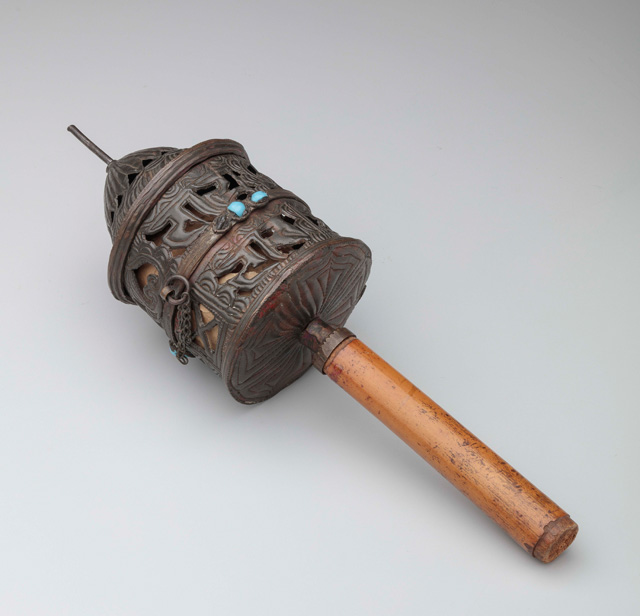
{"x": 237, "y": 207}
{"x": 259, "y": 195}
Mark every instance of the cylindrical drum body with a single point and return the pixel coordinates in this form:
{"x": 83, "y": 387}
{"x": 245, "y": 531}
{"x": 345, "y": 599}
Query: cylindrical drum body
{"x": 202, "y": 228}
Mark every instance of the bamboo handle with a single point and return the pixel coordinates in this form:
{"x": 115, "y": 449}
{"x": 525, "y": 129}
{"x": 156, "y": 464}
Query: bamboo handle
{"x": 533, "y": 520}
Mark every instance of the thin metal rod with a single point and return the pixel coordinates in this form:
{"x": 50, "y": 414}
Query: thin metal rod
{"x": 92, "y": 146}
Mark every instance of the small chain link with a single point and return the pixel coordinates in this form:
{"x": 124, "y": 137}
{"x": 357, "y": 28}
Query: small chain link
{"x": 182, "y": 334}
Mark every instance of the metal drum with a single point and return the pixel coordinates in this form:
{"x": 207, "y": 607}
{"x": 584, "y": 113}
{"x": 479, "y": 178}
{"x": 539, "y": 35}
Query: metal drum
{"x": 232, "y": 266}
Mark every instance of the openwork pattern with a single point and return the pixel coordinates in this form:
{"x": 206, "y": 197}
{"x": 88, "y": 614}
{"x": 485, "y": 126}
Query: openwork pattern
{"x": 246, "y": 262}
{"x": 255, "y": 243}
{"x": 178, "y": 219}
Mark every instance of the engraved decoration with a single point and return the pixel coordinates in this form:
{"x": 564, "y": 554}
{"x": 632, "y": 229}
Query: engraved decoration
{"x": 274, "y": 249}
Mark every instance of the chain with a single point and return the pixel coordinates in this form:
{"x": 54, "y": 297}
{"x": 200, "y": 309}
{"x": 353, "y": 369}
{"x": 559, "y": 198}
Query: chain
{"x": 182, "y": 333}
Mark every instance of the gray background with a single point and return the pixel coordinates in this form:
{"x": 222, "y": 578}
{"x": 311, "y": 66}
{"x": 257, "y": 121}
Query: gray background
{"x": 489, "y": 155}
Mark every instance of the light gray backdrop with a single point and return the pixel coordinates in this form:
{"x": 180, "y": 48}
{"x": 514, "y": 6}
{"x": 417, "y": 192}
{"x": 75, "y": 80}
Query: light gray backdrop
{"x": 488, "y": 152}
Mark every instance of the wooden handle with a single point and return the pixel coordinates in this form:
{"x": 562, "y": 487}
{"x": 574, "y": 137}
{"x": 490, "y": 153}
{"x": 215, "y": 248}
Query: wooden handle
{"x": 533, "y": 520}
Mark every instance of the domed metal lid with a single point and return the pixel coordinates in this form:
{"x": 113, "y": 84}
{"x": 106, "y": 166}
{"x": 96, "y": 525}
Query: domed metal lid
{"x": 127, "y": 177}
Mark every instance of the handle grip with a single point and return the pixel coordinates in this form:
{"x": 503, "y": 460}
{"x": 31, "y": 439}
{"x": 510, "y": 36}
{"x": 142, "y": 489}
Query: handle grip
{"x": 533, "y": 520}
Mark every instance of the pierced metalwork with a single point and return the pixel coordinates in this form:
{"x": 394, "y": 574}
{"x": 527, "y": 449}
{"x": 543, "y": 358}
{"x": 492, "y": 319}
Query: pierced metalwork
{"x": 229, "y": 264}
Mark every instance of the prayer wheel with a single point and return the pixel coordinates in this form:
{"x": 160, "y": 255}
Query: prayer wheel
{"x": 241, "y": 274}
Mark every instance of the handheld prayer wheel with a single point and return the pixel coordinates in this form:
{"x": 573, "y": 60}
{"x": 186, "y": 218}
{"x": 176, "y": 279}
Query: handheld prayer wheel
{"x": 242, "y": 275}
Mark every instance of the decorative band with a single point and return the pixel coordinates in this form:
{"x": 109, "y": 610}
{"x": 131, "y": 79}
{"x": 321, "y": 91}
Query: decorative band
{"x": 223, "y": 223}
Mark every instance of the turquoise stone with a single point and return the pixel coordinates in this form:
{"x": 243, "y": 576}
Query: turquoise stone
{"x": 259, "y": 195}
{"x": 237, "y": 207}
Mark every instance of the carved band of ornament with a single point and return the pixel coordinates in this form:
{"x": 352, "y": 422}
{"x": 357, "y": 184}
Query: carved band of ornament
{"x": 223, "y": 223}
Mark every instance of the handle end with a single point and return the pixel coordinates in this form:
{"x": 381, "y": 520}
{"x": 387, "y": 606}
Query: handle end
{"x": 557, "y": 537}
